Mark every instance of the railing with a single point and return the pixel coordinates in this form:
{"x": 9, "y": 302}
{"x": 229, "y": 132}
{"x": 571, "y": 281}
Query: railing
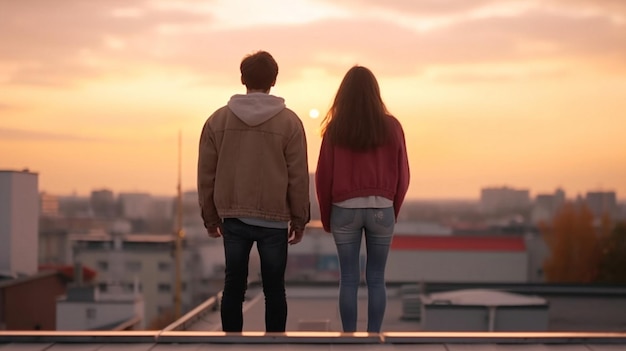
{"x": 190, "y": 317}
{"x": 128, "y": 325}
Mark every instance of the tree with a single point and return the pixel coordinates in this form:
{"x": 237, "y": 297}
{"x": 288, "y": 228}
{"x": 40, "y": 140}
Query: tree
{"x": 613, "y": 261}
{"x": 575, "y": 246}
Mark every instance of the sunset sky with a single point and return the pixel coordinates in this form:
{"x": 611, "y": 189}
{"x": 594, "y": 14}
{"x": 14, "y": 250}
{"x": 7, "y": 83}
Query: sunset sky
{"x": 527, "y": 94}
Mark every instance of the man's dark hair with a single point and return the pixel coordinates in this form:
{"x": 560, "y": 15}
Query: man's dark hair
{"x": 259, "y": 71}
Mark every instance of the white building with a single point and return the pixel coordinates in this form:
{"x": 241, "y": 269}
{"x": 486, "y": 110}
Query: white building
{"x": 84, "y": 307}
{"x": 458, "y": 259}
{"x": 135, "y": 205}
{"x": 483, "y": 310}
{"x": 493, "y": 199}
{"x": 123, "y": 259}
{"x": 193, "y": 225}
{"x": 428, "y": 258}
{"x": 19, "y": 223}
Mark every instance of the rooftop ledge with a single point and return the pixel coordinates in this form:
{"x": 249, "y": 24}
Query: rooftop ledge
{"x": 302, "y": 337}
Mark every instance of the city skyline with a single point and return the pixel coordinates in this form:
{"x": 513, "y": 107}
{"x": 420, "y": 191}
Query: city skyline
{"x": 532, "y": 194}
{"x": 526, "y": 94}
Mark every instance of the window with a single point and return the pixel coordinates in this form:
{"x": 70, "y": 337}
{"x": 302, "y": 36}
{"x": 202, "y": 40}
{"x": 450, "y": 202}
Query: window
{"x": 164, "y": 287}
{"x": 90, "y": 313}
{"x": 164, "y": 266}
{"x": 130, "y": 286}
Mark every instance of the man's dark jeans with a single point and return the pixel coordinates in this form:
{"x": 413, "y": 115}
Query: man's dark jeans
{"x": 272, "y": 246}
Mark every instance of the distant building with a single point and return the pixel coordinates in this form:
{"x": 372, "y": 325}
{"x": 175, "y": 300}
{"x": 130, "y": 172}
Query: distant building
{"x": 85, "y": 308}
{"x": 315, "y": 206}
{"x": 147, "y": 213}
{"x": 504, "y": 199}
{"x": 458, "y": 259}
{"x": 54, "y": 233}
{"x": 193, "y": 225}
{"x": 135, "y": 205}
{"x": 103, "y": 204}
{"x": 314, "y": 258}
{"x": 205, "y": 256}
{"x": 162, "y": 208}
{"x": 122, "y": 260}
{"x": 422, "y": 228}
{"x": 75, "y": 206}
{"x": 546, "y": 206}
{"x": 28, "y": 303}
{"x": 49, "y": 205}
{"x": 602, "y": 203}
{"x": 19, "y": 223}
{"x": 432, "y": 258}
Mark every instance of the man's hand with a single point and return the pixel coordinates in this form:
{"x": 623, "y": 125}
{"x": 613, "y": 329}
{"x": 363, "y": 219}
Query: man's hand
{"x": 214, "y": 231}
{"x": 295, "y": 236}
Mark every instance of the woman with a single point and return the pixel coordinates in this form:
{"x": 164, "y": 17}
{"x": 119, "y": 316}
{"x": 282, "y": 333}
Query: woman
{"x": 361, "y": 179}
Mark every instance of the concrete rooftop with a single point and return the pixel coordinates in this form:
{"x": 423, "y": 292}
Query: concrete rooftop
{"x": 580, "y": 319}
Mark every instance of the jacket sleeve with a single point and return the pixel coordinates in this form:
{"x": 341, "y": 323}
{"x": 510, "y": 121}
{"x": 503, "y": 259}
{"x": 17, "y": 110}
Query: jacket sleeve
{"x": 324, "y": 182}
{"x": 403, "y": 173}
{"x": 298, "y": 178}
{"x": 207, "y": 165}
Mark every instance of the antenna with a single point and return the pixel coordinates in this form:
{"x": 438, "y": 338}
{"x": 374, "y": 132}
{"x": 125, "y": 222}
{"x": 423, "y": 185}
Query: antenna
{"x": 179, "y": 233}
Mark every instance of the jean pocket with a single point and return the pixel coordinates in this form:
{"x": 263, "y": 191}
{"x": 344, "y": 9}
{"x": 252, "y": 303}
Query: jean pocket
{"x": 384, "y": 217}
{"x": 341, "y": 217}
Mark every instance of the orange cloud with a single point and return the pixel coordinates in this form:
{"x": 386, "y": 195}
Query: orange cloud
{"x": 88, "y": 40}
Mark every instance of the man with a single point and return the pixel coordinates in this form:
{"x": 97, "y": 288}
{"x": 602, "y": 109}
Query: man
{"x": 253, "y": 186}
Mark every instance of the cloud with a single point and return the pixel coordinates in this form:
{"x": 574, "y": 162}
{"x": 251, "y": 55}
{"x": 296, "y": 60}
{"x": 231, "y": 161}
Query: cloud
{"x": 609, "y": 6}
{"x": 465, "y": 7}
{"x": 397, "y": 50}
{"x": 473, "y": 75}
{"x": 23, "y": 135}
{"x": 102, "y": 37}
{"x": 424, "y": 7}
{"x": 53, "y": 45}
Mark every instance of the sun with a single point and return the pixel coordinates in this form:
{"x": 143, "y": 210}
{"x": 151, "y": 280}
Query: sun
{"x": 314, "y": 113}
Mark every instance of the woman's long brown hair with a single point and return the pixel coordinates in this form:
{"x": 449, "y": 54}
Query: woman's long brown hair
{"x": 358, "y": 117}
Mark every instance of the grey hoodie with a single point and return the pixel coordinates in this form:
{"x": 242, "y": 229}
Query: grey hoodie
{"x": 255, "y": 108}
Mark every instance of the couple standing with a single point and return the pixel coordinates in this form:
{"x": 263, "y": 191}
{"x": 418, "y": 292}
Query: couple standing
{"x": 253, "y": 186}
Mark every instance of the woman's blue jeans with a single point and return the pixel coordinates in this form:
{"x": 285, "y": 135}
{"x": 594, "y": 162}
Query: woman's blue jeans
{"x": 272, "y": 245}
{"x": 348, "y": 226}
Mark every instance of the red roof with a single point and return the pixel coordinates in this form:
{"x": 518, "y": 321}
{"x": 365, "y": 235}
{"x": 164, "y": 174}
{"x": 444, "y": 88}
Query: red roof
{"x": 458, "y": 243}
{"x": 68, "y": 271}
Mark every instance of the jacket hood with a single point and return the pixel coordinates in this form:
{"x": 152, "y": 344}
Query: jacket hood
{"x": 255, "y": 108}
